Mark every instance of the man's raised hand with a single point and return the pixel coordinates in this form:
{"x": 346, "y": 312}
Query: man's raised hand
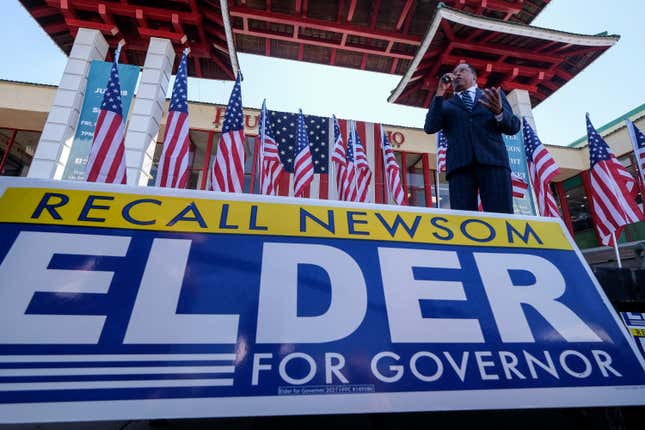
{"x": 492, "y": 99}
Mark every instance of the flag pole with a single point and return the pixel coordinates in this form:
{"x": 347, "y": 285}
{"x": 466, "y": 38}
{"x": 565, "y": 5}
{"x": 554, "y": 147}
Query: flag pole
{"x": 436, "y": 191}
{"x": 531, "y": 193}
{"x": 261, "y": 134}
{"x": 117, "y": 52}
{"x": 354, "y": 134}
{"x": 386, "y": 187}
{"x": 613, "y": 233}
{"x": 334, "y": 190}
{"x": 632, "y": 137}
{"x": 613, "y": 238}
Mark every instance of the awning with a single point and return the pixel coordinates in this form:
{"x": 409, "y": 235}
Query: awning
{"x": 506, "y": 54}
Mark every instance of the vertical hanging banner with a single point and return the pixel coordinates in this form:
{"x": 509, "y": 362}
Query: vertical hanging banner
{"x": 121, "y": 302}
{"x": 517, "y": 161}
{"x": 96, "y": 81}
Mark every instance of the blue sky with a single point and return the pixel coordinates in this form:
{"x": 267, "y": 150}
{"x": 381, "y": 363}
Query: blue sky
{"x": 608, "y": 88}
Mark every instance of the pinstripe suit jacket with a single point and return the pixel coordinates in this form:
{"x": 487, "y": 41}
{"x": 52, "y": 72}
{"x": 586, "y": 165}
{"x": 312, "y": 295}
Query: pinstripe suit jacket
{"x": 472, "y": 135}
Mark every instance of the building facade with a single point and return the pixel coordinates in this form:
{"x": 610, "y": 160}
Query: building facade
{"x": 24, "y": 108}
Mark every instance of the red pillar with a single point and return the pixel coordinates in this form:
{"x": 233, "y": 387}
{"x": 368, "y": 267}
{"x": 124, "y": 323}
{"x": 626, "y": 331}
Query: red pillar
{"x": 436, "y": 187}
{"x": 426, "y": 180}
{"x": 379, "y": 174}
{"x": 256, "y": 163}
{"x": 404, "y": 177}
{"x": 586, "y": 182}
{"x": 283, "y": 183}
{"x": 566, "y": 215}
{"x": 6, "y": 152}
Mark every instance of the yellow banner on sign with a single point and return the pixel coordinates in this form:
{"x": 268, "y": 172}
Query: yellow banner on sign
{"x": 148, "y": 211}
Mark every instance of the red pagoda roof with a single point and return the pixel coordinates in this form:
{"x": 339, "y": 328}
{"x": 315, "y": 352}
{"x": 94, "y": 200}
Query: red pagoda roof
{"x": 510, "y": 55}
{"x": 198, "y": 24}
{"x": 419, "y": 39}
{"x": 379, "y": 35}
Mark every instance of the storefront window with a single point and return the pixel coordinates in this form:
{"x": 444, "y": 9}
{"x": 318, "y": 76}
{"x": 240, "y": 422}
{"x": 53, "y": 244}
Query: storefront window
{"x": 444, "y": 197}
{"x": 6, "y": 139}
{"x": 198, "y": 144}
{"x": 633, "y": 232}
{"x": 381, "y": 187}
{"x": 17, "y": 148}
{"x": 399, "y": 161}
{"x": 580, "y": 213}
{"x": 249, "y": 160}
{"x": 416, "y": 186}
{"x": 209, "y": 160}
{"x": 628, "y": 162}
{"x": 556, "y": 196}
{"x": 249, "y": 151}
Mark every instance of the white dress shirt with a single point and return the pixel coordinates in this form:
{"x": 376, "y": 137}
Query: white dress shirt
{"x": 472, "y": 92}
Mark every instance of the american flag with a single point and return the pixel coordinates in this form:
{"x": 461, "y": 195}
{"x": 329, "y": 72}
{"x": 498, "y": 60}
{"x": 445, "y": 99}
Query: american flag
{"x": 106, "y": 162}
{"x": 346, "y": 187}
{"x": 285, "y": 131}
{"x": 542, "y": 170}
{"x": 638, "y": 140}
{"x": 270, "y": 159}
{"x": 174, "y": 162}
{"x": 520, "y": 189}
{"x": 611, "y": 189}
{"x": 392, "y": 171}
{"x": 363, "y": 172}
{"x": 351, "y": 190}
{"x": 321, "y": 145}
{"x": 303, "y": 167}
{"x": 442, "y": 147}
{"x": 520, "y": 186}
{"x": 227, "y": 173}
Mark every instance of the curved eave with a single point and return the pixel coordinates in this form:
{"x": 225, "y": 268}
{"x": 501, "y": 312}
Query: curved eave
{"x": 487, "y": 25}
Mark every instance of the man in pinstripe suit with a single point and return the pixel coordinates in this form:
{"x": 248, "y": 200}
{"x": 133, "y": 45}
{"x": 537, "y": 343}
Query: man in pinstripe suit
{"x": 473, "y": 121}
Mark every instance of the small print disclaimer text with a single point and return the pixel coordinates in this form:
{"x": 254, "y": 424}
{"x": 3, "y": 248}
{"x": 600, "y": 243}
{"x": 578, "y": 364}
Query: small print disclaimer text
{"x": 325, "y": 389}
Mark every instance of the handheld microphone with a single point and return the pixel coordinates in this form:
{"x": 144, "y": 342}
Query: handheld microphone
{"x": 446, "y": 79}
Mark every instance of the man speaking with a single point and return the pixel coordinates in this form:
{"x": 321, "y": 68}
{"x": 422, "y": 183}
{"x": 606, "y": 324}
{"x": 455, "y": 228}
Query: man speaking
{"x": 473, "y": 121}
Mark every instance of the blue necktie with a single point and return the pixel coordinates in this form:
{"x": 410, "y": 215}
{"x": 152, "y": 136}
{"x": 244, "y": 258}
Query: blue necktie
{"x": 465, "y": 97}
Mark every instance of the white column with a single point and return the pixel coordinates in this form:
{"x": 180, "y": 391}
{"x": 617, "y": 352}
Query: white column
{"x": 520, "y": 102}
{"x": 56, "y": 139}
{"x": 145, "y": 116}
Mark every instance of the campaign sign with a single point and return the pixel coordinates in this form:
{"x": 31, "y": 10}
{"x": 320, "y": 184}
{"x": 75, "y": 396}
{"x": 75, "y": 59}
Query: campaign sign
{"x": 635, "y": 322}
{"x": 122, "y": 302}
